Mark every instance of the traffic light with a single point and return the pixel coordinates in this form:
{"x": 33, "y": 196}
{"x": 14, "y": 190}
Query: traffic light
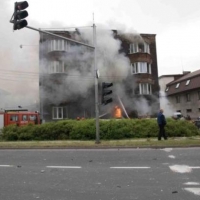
{"x": 105, "y": 100}
{"x": 19, "y": 14}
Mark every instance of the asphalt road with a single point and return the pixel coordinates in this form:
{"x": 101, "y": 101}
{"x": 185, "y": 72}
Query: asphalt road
{"x": 91, "y": 174}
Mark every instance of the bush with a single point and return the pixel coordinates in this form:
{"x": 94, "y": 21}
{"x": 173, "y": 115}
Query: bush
{"x": 109, "y": 129}
{"x": 83, "y": 130}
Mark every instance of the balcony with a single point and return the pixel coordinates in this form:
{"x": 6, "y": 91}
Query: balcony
{"x": 140, "y": 57}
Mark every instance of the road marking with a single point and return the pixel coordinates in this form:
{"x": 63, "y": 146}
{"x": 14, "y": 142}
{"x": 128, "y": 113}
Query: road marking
{"x": 195, "y": 167}
{"x": 172, "y": 156}
{"x": 64, "y": 167}
{"x": 195, "y": 191}
{"x": 192, "y": 183}
{"x": 167, "y": 149}
{"x": 130, "y": 167}
{"x": 6, "y": 165}
{"x": 183, "y": 168}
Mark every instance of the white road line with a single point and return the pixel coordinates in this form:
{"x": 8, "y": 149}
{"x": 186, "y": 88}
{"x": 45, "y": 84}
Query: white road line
{"x": 194, "y": 167}
{"x": 195, "y": 191}
{"x": 6, "y": 165}
{"x": 183, "y": 168}
{"x": 64, "y": 167}
{"x": 192, "y": 183}
{"x": 130, "y": 167}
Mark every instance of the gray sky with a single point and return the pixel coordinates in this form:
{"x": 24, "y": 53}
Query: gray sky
{"x": 175, "y": 22}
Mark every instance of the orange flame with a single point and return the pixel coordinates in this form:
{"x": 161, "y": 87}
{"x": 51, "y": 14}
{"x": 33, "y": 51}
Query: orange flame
{"x": 117, "y": 112}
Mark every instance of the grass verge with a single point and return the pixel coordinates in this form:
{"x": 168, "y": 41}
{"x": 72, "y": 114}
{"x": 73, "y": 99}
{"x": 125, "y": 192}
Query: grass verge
{"x": 133, "y": 143}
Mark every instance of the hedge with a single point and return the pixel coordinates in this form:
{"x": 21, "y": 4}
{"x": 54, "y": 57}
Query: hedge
{"x": 108, "y": 129}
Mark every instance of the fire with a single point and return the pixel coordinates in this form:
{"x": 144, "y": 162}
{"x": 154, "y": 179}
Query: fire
{"x": 117, "y": 112}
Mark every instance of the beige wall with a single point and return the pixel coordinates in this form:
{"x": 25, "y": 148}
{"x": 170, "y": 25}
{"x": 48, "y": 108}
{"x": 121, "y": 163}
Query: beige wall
{"x": 194, "y": 104}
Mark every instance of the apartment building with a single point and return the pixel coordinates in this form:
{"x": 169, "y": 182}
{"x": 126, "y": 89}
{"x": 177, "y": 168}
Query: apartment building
{"x": 182, "y": 93}
{"x": 67, "y": 78}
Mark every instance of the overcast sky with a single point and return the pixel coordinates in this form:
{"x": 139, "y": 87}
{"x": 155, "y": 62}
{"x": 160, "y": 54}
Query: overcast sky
{"x": 176, "y": 24}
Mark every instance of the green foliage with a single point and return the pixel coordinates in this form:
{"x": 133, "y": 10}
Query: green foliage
{"x": 109, "y": 129}
{"x": 181, "y": 128}
{"x": 83, "y": 130}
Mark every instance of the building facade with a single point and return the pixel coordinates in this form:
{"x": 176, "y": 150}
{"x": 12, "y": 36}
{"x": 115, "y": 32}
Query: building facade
{"x": 183, "y": 93}
{"x": 141, "y": 51}
{"x": 67, "y": 79}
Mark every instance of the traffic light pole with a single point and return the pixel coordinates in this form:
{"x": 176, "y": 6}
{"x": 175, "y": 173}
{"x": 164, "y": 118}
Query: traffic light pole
{"x": 19, "y": 22}
{"x": 61, "y": 37}
{"x": 95, "y": 71}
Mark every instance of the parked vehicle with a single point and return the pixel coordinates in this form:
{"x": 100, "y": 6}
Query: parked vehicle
{"x": 19, "y": 117}
{"x": 177, "y": 115}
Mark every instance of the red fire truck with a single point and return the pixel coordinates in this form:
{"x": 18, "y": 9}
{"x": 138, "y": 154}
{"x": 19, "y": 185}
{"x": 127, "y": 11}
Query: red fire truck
{"x": 19, "y": 117}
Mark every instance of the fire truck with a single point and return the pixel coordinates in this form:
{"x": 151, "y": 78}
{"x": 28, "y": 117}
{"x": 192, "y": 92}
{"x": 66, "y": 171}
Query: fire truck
{"x": 20, "y": 117}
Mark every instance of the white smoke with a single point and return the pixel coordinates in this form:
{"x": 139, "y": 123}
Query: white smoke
{"x": 113, "y": 65}
{"x": 20, "y": 66}
{"x": 165, "y": 104}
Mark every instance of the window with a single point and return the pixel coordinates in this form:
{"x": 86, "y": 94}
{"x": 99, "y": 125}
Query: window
{"x": 178, "y": 100}
{"x": 145, "y": 88}
{"x": 199, "y": 95}
{"x": 57, "y": 112}
{"x": 141, "y": 67}
{"x": 57, "y": 66}
{"x": 32, "y": 117}
{"x": 167, "y": 88}
{"x": 139, "y": 47}
{"x": 24, "y": 117}
{"x": 188, "y": 97}
{"x": 177, "y": 85}
{"x": 14, "y": 118}
{"x": 187, "y": 82}
{"x": 188, "y": 110}
{"x": 66, "y": 67}
{"x": 133, "y": 48}
{"x": 58, "y": 45}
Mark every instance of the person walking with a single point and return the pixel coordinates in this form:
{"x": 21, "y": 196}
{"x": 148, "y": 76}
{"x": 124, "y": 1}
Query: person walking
{"x": 161, "y": 123}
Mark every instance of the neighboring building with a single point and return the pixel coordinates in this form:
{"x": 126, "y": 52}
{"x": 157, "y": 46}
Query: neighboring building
{"x": 168, "y": 107}
{"x": 184, "y": 94}
{"x": 56, "y": 61}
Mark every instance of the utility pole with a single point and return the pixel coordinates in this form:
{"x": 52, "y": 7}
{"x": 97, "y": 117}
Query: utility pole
{"x": 96, "y": 76}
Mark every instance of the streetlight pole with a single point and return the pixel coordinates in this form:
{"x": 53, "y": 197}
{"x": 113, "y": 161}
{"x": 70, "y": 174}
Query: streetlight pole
{"x": 96, "y": 87}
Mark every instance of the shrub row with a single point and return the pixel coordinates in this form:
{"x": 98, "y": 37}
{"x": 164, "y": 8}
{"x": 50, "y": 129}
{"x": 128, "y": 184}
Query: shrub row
{"x": 109, "y": 129}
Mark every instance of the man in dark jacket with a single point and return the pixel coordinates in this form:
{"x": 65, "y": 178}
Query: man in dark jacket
{"x": 161, "y": 123}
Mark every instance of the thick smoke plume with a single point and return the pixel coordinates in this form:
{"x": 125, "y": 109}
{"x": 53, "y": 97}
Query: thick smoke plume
{"x": 20, "y": 66}
{"x": 113, "y": 65}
